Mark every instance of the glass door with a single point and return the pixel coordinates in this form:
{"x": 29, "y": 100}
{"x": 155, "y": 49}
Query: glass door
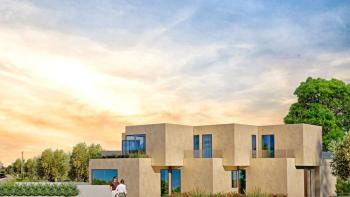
{"x": 175, "y": 181}
{"x": 242, "y": 181}
{"x": 164, "y": 182}
{"x": 207, "y": 146}
{"x": 268, "y": 146}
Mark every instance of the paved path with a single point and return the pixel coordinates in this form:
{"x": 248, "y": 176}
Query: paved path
{"x": 94, "y": 191}
{"x": 3, "y": 180}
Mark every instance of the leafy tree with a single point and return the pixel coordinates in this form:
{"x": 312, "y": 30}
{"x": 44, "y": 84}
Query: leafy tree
{"x": 79, "y": 160}
{"x": 30, "y": 168}
{"x": 95, "y": 151}
{"x": 53, "y": 165}
{"x": 340, "y": 163}
{"x": 17, "y": 166}
{"x": 325, "y": 103}
{"x": 9, "y": 169}
{"x": 60, "y": 165}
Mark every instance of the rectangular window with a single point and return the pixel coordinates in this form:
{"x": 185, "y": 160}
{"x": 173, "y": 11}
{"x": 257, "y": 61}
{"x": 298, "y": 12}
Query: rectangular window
{"x": 134, "y": 144}
{"x": 196, "y": 146}
{"x": 254, "y": 146}
{"x": 175, "y": 181}
{"x": 207, "y": 146}
{"x": 268, "y": 146}
{"x": 103, "y": 176}
{"x": 234, "y": 176}
{"x": 164, "y": 182}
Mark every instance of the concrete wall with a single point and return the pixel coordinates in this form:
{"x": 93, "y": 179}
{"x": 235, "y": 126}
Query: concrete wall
{"x": 206, "y": 175}
{"x": 165, "y": 143}
{"x": 140, "y": 178}
{"x": 277, "y": 175}
{"x": 304, "y": 140}
{"x": 243, "y": 144}
{"x": 312, "y": 145}
{"x": 155, "y": 140}
{"x": 233, "y": 140}
{"x": 178, "y": 139}
{"x": 328, "y": 181}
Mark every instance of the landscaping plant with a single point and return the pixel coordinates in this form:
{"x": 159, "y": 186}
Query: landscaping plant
{"x": 12, "y": 189}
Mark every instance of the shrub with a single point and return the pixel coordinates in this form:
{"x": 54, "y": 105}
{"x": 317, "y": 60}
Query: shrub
{"x": 342, "y": 187}
{"x": 11, "y": 189}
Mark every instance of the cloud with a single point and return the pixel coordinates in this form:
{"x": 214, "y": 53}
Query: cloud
{"x": 81, "y": 71}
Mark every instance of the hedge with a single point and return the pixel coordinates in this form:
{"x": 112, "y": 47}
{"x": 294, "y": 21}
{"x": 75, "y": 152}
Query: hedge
{"x": 31, "y": 189}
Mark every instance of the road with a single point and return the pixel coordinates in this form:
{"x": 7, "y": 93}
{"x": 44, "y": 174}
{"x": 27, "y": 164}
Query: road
{"x": 3, "y": 180}
{"x": 94, "y": 191}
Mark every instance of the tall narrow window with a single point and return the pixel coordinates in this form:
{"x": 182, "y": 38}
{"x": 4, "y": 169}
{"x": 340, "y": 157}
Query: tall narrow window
{"x": 268, "y": 146}
{"x": 196, "y": 146}
{"x": 254, "y": 146}
{"x": 234, "y": 177}
{"x": 164, "y": 182}
{"x": 176, "y": 181}
{"x": 207, "y": 146}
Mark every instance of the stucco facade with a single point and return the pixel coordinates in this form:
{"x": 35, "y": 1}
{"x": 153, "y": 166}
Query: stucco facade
{"x": 221, "y": 158}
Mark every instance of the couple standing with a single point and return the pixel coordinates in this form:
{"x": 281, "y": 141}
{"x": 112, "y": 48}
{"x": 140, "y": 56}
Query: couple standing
{"x": 118, "y": 189}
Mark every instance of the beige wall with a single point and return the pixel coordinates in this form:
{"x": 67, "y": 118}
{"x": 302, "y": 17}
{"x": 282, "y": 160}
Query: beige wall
{"x": 328, "y": 181}
{"x": 312, "y": 145}
{"x": 178, "y": 139}
{"x": 233, "y": 140}
{"x": 277, "y": 175}
{"x": 206, "y": 175}
{"x": 165, "y": 143}
{"x": 141, "y": 179}
{"x": 304, "y": 140}
{"x": 155, "y": 140}
{"x": 243, "y": 144}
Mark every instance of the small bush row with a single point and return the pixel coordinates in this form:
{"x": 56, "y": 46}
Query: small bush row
{"x": 39, "y": 190}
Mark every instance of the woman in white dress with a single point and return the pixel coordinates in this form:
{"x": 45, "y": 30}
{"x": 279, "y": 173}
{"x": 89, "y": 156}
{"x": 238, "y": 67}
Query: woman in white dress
{"x": 121, "y": 189}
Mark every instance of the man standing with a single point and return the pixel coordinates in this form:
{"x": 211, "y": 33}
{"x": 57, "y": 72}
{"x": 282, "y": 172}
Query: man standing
{"x": 113, "y": 186}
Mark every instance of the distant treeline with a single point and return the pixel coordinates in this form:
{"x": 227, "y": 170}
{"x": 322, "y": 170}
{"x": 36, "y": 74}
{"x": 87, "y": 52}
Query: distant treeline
{"x": 57, "y": 165}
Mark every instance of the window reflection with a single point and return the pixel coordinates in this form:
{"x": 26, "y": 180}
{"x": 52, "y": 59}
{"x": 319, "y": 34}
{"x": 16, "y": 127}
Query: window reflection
{"x": 103, "y": 176}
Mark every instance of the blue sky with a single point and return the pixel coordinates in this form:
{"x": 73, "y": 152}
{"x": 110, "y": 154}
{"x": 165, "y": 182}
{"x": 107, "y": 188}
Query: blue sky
{"x": 71, "y": 68}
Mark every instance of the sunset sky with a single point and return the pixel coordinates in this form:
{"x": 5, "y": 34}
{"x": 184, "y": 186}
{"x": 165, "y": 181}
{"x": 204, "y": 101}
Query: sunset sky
{"x": 79, "y": 71}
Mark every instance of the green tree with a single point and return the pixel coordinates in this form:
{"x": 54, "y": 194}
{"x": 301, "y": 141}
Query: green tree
{"x": 53, "y": 165}
{"x": 79, "y": 160}
{"x": 340, "y": 163}
{"x": 95, "y": 151}
{"x": 60, "y": 165}
{"x": 17, "y": 166}
{"x": 30, "y": 168}
{"x": 9, "y": 169}
{"x": 325, "y": 103}
{"x": 45, "y": 165}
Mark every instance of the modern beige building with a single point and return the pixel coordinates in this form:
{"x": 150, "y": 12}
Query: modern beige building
{"x": 219, "y": 158}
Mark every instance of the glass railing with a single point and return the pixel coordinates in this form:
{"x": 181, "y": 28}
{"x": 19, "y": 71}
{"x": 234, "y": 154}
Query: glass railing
{"x": 327, "y": 155}
{"x": 132, "y": 147}
{"x": 278, "y": 153}
{"x": 203, "y": 154}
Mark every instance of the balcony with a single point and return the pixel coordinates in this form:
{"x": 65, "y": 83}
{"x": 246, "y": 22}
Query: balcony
{"x": 133, "y": 147}
{"x": 202, "y": 154}
{"x": 279, "y": 153}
